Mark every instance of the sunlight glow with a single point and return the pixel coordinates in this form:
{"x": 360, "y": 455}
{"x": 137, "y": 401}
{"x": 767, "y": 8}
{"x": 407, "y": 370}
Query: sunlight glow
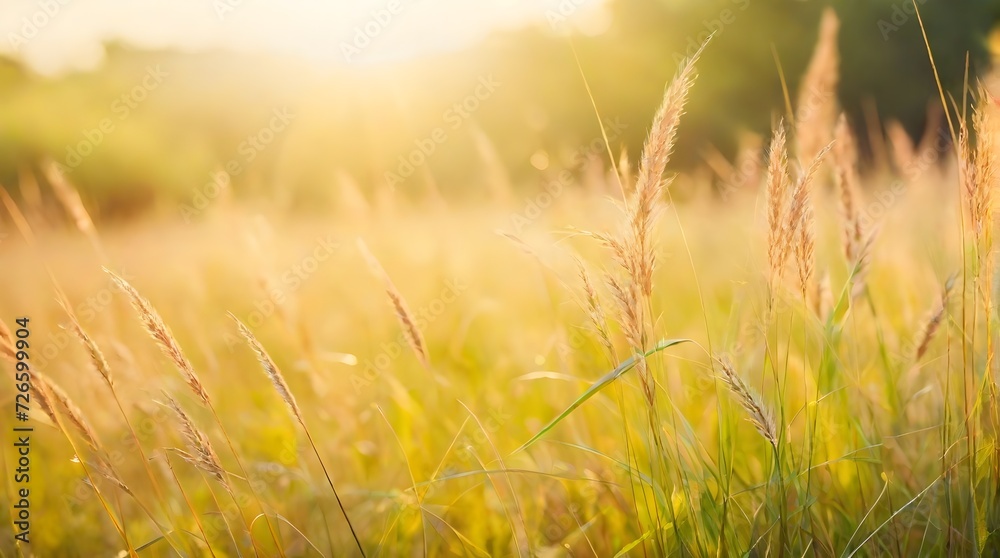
{"x": 55, "y": 35}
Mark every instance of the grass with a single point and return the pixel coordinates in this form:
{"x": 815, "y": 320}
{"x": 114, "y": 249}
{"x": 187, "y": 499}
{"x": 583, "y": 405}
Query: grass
{"x": 802, "y": 368}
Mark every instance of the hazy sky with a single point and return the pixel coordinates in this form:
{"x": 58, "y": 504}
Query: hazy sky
{"x": 54, "y": 35}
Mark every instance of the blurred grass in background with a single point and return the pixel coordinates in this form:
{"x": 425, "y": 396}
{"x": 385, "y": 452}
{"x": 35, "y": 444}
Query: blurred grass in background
{"x": 234, "y": 183}
{"x": 131, "y": 141}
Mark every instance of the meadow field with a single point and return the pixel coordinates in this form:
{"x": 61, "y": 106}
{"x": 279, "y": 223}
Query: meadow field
{"x": 797, "y": 360}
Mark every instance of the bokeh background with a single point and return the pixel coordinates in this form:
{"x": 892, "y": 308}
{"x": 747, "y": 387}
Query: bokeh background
{"x": 293, "y": 162}
{"x": 143, "y": 104}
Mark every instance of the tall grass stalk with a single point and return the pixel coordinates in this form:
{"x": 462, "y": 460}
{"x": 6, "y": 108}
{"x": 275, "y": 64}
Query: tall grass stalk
{"x": 281, "y": 386}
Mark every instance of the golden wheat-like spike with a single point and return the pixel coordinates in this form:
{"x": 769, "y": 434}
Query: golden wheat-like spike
{"x": 934, "y": 323}
{"x": 630, "y": 317}
{"x": 660, "y": 142}
{"x": 845, "y": 158}
{"x": 800, "y": 202}
{"x": 800, "y": 195}
{"x": 759, "y": 414}
{"x": 805, "y": 250}
{"x": 620, "y": 252}
{"x": 985, "y": 162}
{"x": 271, "y": 369}
{"x": 105, "y": 470}
{"x": 798, "y": 225}
{"x": 159, "y": 331}
{"x": 649, "y": 182}
{"x": 44, "y": 396}
{"x": 777, "y": 192}
{"x": 69, "y": 197}
{"x": 96, "y": 355}
{"x": 594, "y": 310}
{"x": 629, "y": 310}
{"x": 200, "y": 451}
{"x": 817, "y": 101}
{"x": 965, "y": 157}
{"x": 406, "y": 318}
{"x": 55, "y": 396}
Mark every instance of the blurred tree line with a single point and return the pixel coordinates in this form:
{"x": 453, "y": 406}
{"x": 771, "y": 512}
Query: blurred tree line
{"x": 151, "y": 127}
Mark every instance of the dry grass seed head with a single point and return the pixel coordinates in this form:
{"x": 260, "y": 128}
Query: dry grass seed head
{"x": 805, "y": 250}
{"x": 845, "y": 158}
{"x": 798, "y": 226}
{"x": 630, "y": 313}
{"x": 777, "y": 192}
{"x": 44, "y": 396}
{"x": 595, "y": 312}
{"x": 934, "y": 323}
{"x": 271, "y": 369}
{"x": 659, "y": 145}
{"x": 96, "y": 355}
{"x": 801, "y": 193}
{"x": 406, "y": 319}
{"x": 759, "y": 414}
{"x": 817, "y": 101}
{"x": 626, "y": 297}
{"x": 69, "y": 197}
{"x": 620, "y": 252}
{"x": 200, "y": 452}
{"x": 159, "y": 331}
{"x": 984, "y": 163}
{"x": 54, "y": 396}
{"x": 105, "y": 470}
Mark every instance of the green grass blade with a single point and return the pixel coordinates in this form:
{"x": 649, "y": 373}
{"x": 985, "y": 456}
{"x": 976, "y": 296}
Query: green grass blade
{"x": 635, "y": 543}
{"x": 598, "y": 386}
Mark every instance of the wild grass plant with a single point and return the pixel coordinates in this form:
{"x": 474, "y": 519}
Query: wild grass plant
{"x": 803, "y": 367}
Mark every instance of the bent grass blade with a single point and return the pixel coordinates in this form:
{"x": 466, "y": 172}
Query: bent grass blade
{"x": 598, "y": 386}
